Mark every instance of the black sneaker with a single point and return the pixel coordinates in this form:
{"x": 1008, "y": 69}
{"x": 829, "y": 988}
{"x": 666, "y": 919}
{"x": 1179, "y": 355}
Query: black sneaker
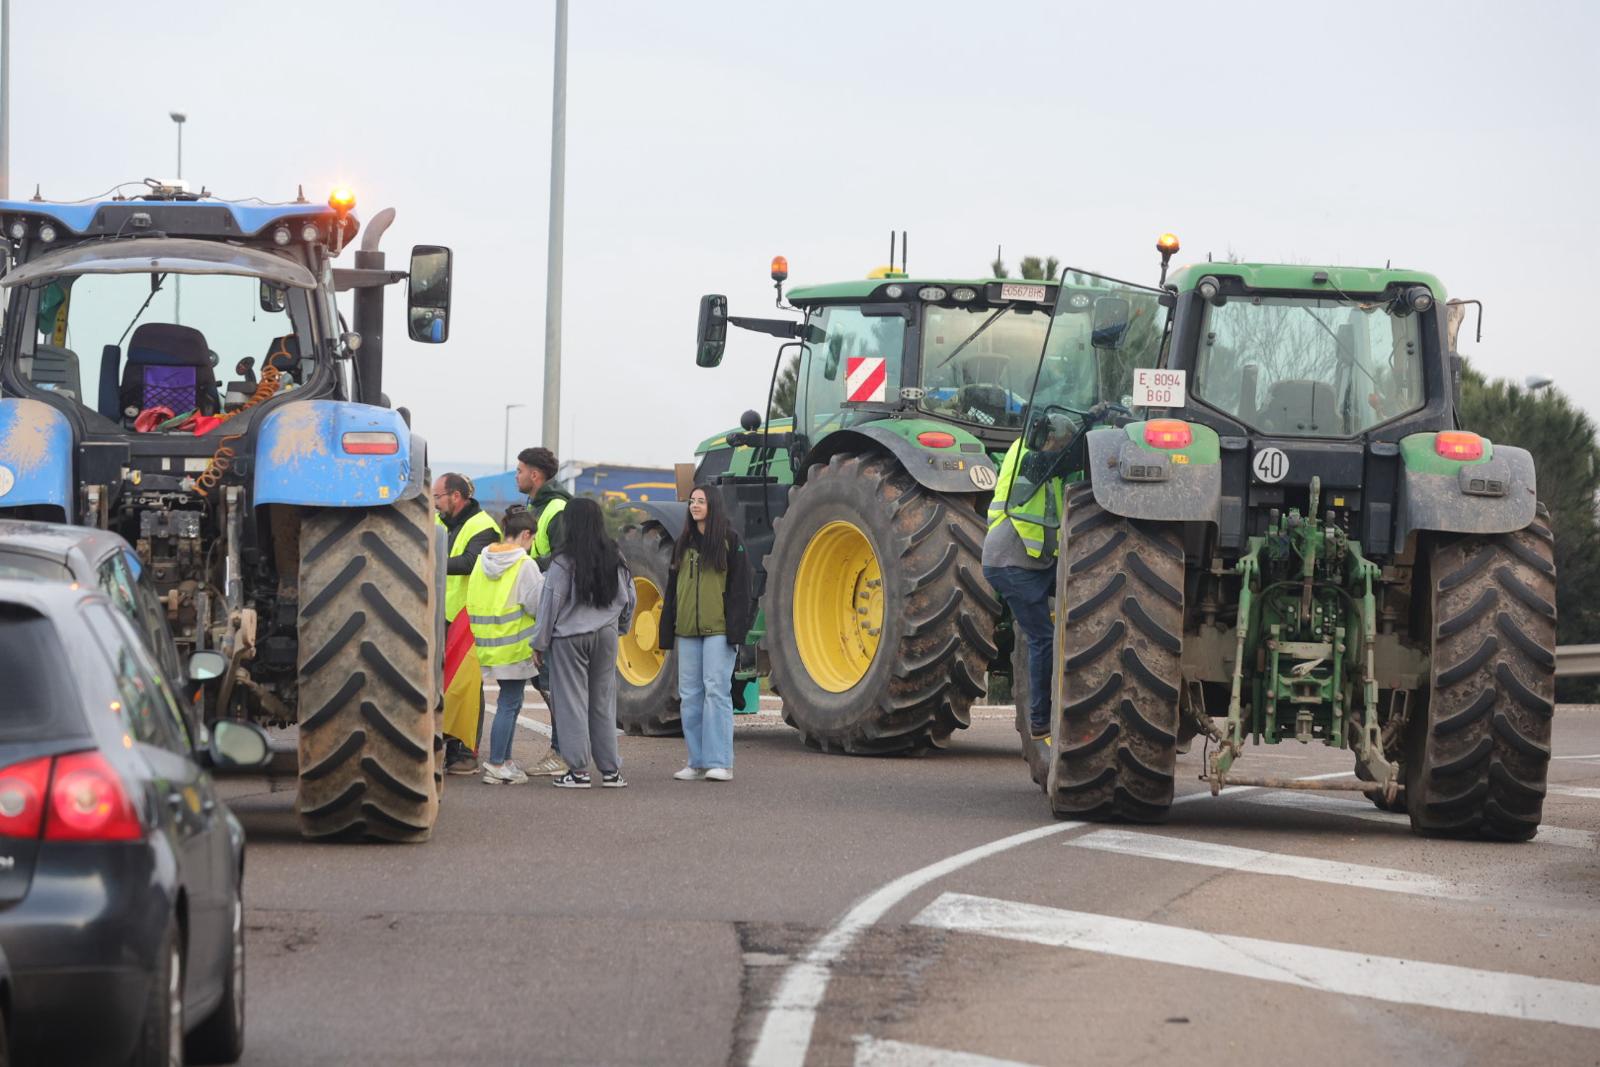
{"x": 614, "y": 780}
{"x": 571, "y": 780}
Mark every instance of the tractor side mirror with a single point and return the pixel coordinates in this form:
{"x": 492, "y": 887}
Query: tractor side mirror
{"x": 205, "y": 665}
{"x": 428, "y": 297}
{"x": 241, "y": 745}
{"x": 1112, "y": 315}
{"x": 711, "y": 338}
{"x": 273, "y": 298}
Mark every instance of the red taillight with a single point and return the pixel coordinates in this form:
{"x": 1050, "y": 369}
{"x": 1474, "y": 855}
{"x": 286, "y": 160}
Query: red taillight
{"x": 370, "y": 444}
{"x": 1458, "y": 444}
{"x": 936, "y": 439}
{"x": 22, "y": 792}
{"x": 1167, "y": 433}
{"x": 89, "y": 803}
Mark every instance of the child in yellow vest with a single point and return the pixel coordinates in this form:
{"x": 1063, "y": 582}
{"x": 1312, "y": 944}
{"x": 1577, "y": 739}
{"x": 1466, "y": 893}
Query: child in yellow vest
{"x": 502, "y": 596}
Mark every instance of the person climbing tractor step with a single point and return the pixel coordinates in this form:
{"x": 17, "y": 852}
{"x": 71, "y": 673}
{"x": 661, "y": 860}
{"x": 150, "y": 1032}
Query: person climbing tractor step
{"x": 1019, "y": 555}
{"x": 468, "y": 530}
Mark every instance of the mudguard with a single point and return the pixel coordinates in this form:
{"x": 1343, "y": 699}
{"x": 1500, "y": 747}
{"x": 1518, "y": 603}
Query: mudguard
{"x": 943, "y": 470}
{"x": 1495, "y": 494}
{"x": 300, "y": 457}
{"x": 670, "y": 514}
{"x": 35, "y": 455}
{"x": 1137, "y": 481}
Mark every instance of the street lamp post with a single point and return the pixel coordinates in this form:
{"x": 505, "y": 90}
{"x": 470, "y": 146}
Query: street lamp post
{"x": 507, "y": 454}
{"x": 178, "y": 119}
{"x": 551, "y": 428}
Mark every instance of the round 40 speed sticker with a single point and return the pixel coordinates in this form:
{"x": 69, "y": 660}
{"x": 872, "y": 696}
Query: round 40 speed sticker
{"x": 1270, "y": 465}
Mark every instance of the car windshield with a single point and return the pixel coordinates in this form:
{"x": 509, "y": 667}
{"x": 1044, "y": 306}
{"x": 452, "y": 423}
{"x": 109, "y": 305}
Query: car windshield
{"x": 978, "y": 362}
{"x": 34, "y": 666}
{"x": 1309, "y": 366}
{"x": 122, "y": 345}
{"x": 14, "y": 564}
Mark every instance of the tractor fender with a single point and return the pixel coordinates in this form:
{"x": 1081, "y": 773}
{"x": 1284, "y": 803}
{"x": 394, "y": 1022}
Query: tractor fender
{"x": 943, "y": 470}
{"x": 670, "y": 515}
{"x": 1497, "y": 494}
{"x": 1138, "y": 482}
{"x": 301, "y": 458}
{"x": 35, "y": 455}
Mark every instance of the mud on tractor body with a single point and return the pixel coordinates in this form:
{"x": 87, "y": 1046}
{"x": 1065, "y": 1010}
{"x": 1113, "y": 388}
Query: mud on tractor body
{"x": 282, "y": 512}
{"x": 1293, "y": 540}
{"x": 864, "y": 513}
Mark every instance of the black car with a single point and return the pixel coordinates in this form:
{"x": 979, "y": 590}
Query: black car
{"x": 98, "y": 559}
{"x": 121, "y": 912}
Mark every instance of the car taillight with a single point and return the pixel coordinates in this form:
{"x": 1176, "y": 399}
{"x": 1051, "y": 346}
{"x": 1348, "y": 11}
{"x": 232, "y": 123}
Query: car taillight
{"x": 88, "y": 802}
{"x": 22, "y": 792}
{"x": 1458, "y": 444}
{"x": 370, "y": 443}
{"x": 1167, "y": 433}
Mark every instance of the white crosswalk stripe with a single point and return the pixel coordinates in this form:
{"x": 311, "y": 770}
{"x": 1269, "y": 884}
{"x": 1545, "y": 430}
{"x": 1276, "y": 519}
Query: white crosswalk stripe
{"x": 1256, "y": 861}
{"x": 872, "y": 1052}
{"x": 1548, "y": 835}
{"x": 1579, "y": 791}
{"x": 1385, "y": 978}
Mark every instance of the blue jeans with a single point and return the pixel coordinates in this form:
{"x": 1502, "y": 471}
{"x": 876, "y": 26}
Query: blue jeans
{"x": 1026, "y": 592}
{"x": 705, "y": 675}
{"x": 507, "y": 706}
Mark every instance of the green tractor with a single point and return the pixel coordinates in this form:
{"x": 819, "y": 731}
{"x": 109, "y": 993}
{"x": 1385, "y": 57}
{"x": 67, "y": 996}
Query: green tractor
{"x": 1294, "y": 540}
{"x": 865, "y": 512}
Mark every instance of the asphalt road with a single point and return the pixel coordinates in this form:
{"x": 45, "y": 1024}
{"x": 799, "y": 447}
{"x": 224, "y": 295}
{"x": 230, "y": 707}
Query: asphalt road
{"x": 829, "y": 910}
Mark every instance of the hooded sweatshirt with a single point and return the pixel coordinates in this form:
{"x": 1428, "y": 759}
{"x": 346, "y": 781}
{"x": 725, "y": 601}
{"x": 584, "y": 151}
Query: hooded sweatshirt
{"x": 496, "y": 560}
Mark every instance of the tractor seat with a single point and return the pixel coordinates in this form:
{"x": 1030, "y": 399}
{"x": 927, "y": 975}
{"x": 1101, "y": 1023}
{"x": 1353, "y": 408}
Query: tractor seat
{"x": 169, "y": 366}
{"x": 1299, "y": 406}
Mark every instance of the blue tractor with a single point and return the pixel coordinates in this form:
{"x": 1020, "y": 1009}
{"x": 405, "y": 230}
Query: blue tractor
{"x": 282, "y": 510}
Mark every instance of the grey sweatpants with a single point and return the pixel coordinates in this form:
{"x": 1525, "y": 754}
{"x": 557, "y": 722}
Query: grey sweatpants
{"x": 583, "y": 682}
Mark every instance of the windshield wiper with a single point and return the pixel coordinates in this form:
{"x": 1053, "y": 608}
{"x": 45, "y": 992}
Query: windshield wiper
{"x": 161, "y": 279}
{"x": 973, "y": 336}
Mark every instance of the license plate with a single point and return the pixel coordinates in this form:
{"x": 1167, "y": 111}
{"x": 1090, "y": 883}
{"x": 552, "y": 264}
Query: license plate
{"x": 1013, "y": 291}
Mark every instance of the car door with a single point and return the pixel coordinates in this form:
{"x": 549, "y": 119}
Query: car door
{"x": 188, "y": 806}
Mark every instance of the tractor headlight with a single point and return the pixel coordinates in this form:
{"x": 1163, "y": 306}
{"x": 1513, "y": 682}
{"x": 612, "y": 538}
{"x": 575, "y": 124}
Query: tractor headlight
{"x": 280, "y": 236}
{"x": 308, "y": 233}
{"x": 1209, "y": 288}
{"x": 931, "y": 293}
{"x": 47, "y": 232}
{"x": 18, "y": 229}
{"x": 963, "y": 294}
{"x": 1419, "y": 298}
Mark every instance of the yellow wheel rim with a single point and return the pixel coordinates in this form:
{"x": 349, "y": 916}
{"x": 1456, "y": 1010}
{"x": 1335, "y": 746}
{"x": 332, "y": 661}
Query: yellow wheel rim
{"x": 639, "y": 655}
{"x": 838, "y": 606}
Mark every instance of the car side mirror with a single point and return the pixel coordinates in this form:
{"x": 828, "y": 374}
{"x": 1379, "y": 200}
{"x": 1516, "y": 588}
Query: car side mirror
{"x": 239, "y": 745}
{"x": 428, "y": 297}
{"x": 1112, "y": 316}
{"x": 711, "y": 338}
{"x": 273, "y": 298}
{"x": 206, "y": 665}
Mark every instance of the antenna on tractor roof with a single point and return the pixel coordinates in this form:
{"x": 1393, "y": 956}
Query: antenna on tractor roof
{"x": 891, "y": 251}
{"x": 903, "y": 268}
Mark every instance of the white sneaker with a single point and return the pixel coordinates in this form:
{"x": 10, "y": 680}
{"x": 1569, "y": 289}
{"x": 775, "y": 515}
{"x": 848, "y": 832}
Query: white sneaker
{"x": 507, "y": 773}
{"x": 719, "y": 774}
{"x": 689, "y": 774}
{"x": 552, "y": 764}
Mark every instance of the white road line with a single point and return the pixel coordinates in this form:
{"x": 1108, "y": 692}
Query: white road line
{"x": 786, "y": 1031}
{"x": 1256, "y": 861}
{"x": 1575, "y": 791}
{"x": 1592, "y": 755}
{"x": 1385, "y": 978}
{"x": 871, "y": 1052}
{"x": 1548, "y": 835}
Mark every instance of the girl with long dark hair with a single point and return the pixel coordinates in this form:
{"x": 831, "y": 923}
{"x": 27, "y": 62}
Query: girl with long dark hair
{"x": 587, "y": 598}
{"x": 706, "y": 617}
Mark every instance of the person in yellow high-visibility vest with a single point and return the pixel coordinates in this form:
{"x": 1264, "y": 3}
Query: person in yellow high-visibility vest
{"x": 536, "y": 476}
{"x": 502, "y": 596}
{"x": 468, "y": 531}
{"x": 1020, "y": 551}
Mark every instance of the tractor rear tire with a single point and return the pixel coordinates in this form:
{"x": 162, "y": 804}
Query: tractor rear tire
{"x": 1119, "y": 645}
{"x": 882, "y": 649}
{"x": 647, "y": 676}
{"x": 367, "y": 672}
{"x": 1477, "y": 763}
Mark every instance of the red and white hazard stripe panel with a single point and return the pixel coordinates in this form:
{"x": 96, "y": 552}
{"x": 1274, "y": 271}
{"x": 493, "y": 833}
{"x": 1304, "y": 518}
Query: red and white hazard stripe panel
{"x": 866, "y": 379}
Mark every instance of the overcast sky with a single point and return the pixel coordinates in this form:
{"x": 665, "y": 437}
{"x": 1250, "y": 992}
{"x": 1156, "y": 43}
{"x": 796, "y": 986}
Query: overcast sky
{"x": 703, "y": 138}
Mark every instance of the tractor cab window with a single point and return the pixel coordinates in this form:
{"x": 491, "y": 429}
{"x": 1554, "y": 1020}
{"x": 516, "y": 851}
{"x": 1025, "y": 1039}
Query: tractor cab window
{"x": 1309, "y": 366}
{"x": 978, "y": 362}
{"x": 852, "y": 359}
{"x": 1100, "y": 332}
{"x": 146, "y": 351}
